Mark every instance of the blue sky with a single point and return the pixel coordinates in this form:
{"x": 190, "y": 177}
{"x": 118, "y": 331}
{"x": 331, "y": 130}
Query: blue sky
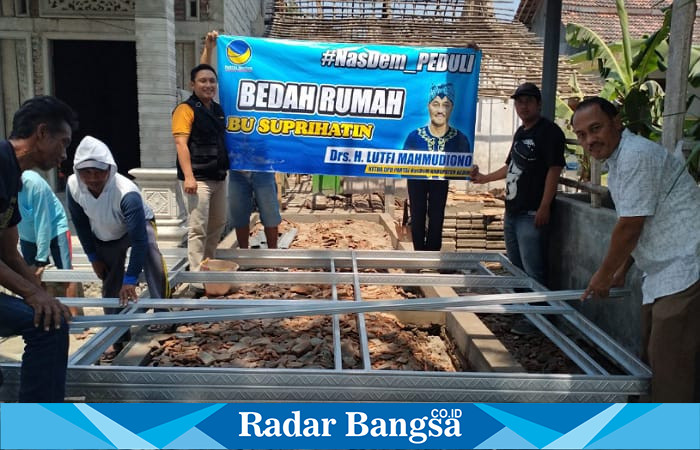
{"x": 513, "y": 5}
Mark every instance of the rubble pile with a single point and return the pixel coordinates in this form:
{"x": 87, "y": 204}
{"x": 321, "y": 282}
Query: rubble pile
{"x": 307, "y": 342}
{"x": 340, "y": 234}
{"x": 303, "y": 342}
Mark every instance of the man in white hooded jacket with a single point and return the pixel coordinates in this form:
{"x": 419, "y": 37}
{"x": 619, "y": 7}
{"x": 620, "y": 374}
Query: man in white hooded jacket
{"x": 110, "y": 216}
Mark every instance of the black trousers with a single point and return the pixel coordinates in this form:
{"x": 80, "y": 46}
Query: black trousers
{"x": 427, "y": 198}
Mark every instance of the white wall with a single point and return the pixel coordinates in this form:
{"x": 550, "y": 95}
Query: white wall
{"x": 496, "y": 122}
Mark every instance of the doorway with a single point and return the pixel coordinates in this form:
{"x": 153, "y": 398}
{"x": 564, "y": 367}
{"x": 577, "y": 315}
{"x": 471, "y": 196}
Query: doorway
{"x": 98, "y": 80}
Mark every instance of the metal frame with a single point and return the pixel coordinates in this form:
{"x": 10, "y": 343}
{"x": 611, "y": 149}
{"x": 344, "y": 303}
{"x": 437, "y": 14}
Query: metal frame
{"x": 128, "y": 383}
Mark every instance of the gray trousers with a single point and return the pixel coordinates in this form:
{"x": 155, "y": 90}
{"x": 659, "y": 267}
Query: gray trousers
{"x": 113, "y": 254}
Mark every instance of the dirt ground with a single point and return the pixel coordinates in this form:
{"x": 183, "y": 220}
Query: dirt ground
{"x": 304, "y": 342}
{"x": 307, "y": 342}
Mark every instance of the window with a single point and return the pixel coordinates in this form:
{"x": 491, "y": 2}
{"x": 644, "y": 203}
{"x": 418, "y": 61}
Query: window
{"x": 192, "y": 10}
{"x": 21, "y": 8}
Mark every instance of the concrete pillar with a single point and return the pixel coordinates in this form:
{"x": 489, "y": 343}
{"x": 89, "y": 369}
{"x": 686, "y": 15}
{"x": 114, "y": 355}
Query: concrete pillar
{"x": 550, "y": 60}
{"x": 9, "y": 94}
{"x": 161, "y": 190}
{"x": 155, "y": 67}
{"x": 681, "y": 38}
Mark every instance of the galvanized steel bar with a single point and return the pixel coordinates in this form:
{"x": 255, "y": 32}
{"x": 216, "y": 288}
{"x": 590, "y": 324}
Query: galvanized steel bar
{"x": 92, "y": 350}
{"x": 577, "y": 355}
{"x": 419, "y": 304}
{"x": 277, "y": 304}
{"x": 378, "y": 259}
{"x": 98, "y": 343}
{"x": 337, "y": 349}
{"x": 566, "y": 345}
{"x": 173, "y": 274}
{"x": 361, "y": 326}
{"x": 400, "y": 279}
{"x": 286, "y": 239}
{"x": 607, "y": 345}
{"x": 189, "y": 303}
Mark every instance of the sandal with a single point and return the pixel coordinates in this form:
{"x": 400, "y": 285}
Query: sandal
{"x": 112, "y": 352}
{"x": 161, "y": 328}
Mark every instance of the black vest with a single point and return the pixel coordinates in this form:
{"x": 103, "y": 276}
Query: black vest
{"x": 208, "y": 154}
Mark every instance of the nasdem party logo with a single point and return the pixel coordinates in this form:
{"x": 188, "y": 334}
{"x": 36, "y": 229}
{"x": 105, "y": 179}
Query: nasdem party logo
{"x": 238, "y": 52}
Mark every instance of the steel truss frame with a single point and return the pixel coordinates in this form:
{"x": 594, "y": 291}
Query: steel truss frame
{"x": 468, "y": 270}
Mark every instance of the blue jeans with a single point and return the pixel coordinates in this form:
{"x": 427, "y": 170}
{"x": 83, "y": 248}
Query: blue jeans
{"x": 526, "y": 244}
{"x": 241, "y": 187}
{"x": 43, "y": 372}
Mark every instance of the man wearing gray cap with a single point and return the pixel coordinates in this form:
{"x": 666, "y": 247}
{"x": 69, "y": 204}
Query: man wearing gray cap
{"x": 532, "y": 171}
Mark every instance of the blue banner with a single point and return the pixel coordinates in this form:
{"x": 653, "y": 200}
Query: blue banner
{"x": 348, "y": 109}
{"x": 349, "y": 426}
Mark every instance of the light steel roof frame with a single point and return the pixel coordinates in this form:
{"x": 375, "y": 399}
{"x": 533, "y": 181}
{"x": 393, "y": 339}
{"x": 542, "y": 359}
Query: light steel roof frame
{"x": 127, "y": 383}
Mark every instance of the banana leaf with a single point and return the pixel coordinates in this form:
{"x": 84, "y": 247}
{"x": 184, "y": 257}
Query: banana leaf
{"x": 596, "y": 49}
{"x": 646, "y": 59}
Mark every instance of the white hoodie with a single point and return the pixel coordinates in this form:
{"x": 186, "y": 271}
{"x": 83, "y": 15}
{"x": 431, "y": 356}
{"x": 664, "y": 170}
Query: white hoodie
{"x": 106, "y": 219}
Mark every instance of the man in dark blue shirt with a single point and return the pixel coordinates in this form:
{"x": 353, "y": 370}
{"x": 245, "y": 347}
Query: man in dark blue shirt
{"x": 41, "y": 130}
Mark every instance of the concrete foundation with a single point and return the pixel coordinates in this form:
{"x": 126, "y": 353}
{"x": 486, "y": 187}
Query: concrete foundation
{"x": 578, "y": 243}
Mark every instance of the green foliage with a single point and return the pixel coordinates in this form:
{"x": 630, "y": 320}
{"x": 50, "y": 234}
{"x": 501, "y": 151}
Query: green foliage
{"x": 563, "y": 113}
{"x": 694, "y": 75}
{"x": 597, "y": 51}
{"x": 626, "y": 67}
{"x": 642, "y": 109}
{"x": 692, "y": 133}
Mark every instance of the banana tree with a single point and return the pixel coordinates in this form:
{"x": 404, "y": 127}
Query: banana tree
{"x": 563, "y": 112}
{"x": 626, "y": 67}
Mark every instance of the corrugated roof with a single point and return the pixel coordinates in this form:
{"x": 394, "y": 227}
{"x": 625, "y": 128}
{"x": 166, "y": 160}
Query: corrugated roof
{"x": 511, "y": 54}
{"x": 644, "y": 16}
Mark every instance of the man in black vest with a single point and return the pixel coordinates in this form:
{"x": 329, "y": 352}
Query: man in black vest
{"x": 244, "y": 185}
{"x": 202, "y": 165}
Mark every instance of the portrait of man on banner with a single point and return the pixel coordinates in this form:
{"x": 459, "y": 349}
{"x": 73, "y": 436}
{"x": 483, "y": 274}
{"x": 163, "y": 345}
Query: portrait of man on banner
{"x": 427, "y": 198}
{"x": 438, "y": 135}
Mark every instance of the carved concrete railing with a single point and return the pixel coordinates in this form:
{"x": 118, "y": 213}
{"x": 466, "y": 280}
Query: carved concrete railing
{"x": 107, "y": 9}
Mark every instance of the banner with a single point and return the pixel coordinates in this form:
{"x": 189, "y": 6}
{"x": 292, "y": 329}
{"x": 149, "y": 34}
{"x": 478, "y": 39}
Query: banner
{"x": 348, "y": 109}
{"x": 349, "y": 426}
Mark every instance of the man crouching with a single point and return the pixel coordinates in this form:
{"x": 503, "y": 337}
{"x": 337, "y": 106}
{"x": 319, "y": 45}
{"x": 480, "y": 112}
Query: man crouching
{"x": 110, "y": 216}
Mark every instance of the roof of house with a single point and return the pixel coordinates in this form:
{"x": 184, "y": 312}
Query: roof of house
{"x": 644, "y": 16}
{"x": 511, "y": 54}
